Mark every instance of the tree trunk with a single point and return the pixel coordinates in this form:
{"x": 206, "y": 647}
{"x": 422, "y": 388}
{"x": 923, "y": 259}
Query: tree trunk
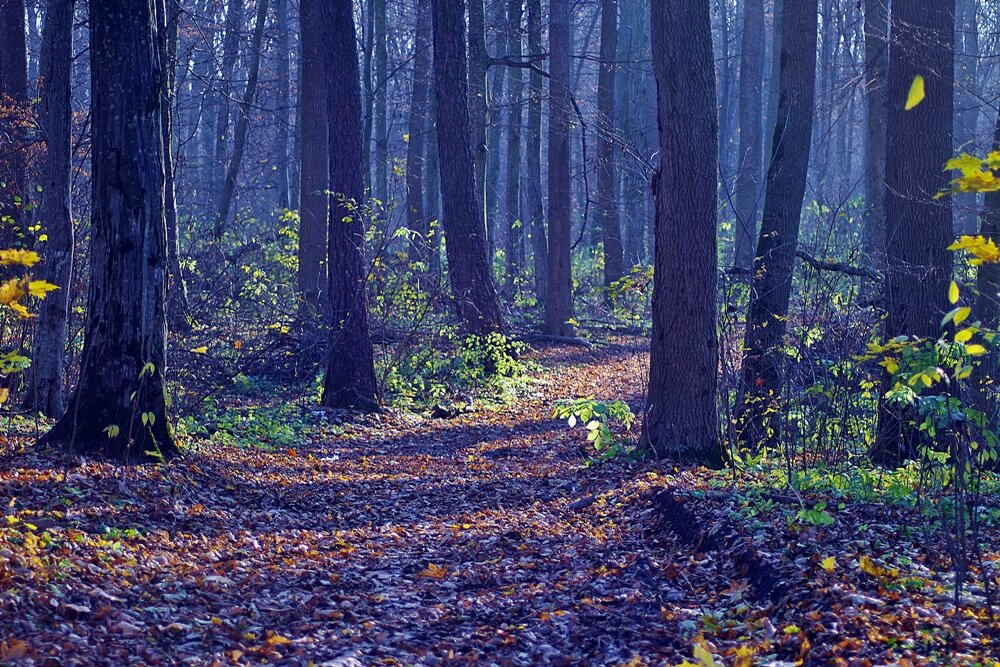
{"x": 230, "y": 53}
{"x": 49, "y": 349}
{"x": 478, "y": 65}
{"x": 533, "y": 157}
{"x": 559, "y": 301}
{"x": 468, "y": 265}
{"x": 119, "y": 407}
{"x": 876, "y": 109}
{"x": 515, "y": 226}
{"x": 350, "y": 372}
{"x": 380, "y": 127}
{"x": 762, "y": 373}
{"x": 681, "y": 417}
{"x": 416, "y": 218}
{"x": 314, "y": 180}
{"x": 281, "y": 131}
{"x": 748, "y": 179}
{"x": 607, "y": 213}
{"x": 918, "y": 227}
{"x": 13, "y": 124}
{"x": 985, "y": 385}
{"x": 967, "y": 104}
{"x": 494, "y": 137}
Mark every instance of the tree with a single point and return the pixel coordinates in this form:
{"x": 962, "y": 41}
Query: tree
{"x": 282, "y": 103}
{"x": 681, "y": 416}
{"x": 987, "y": 385}
{"x": 918, "y": 226}
{"x": 515, "y": 228}
{"x": 119, "y": 407}
{"x": 46, "y": 374}
{"x": 350, "y": 371}
{"x": 762, "y": 373}
{"x": 465, "y": 239}
{"x": 876, "y": 94}
{"x": 533, "y": 157}
{"x": 559, "y": 300}
{"x": 416, "y": 219}
{"x": 607, "y": 190}
{"x": 315, "y": 165}
{"x": 13, "y": 123}
{"x": 748, "y": 179}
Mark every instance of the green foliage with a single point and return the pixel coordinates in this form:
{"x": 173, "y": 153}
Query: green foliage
{"x": 599, "y": 418}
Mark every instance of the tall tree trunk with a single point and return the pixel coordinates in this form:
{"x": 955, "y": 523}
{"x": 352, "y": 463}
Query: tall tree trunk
{"x": 967, "y": 104}
{"x": 876, "y": 110}
{"x": 432, "y": 200}
{"x": 243, "y": 123}
{"x": 681, "y": 417}
{"x": 478, "y": 65}
{"x": 468, "y": 265}
{"x": 381, "y": 84}
{"x": 350, "y": 372}
{"x": 49, "y": 349}
{"x": 607, "y": 213}
{"x": 13, "y": 123}
{"x": 119, "y": 407}
{"x": 918, "y": 227}
{"x": 533, "y": 157}
{"x": 315, "y": 169}
{"x": 515, "y": 225}
{"x": 986, "y": 386}
{"x": 559, "y": 301}
{"x": 281, "y": 131}
{"x": 494, "y": 136}
{"x": 314, "y": 180}
{"x": 230, "y": 53}
{"x": 416, "y": 219}
{"x": 748, "y": 179}
{"x": 762, "y": 373}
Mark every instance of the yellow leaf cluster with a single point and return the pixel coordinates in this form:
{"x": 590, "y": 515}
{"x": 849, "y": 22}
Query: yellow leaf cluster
{"x": 982, "y": 249}
{"x": 16, "y": 289}
{"x": 977, "y": 174}
{"x": 18, "y": 257}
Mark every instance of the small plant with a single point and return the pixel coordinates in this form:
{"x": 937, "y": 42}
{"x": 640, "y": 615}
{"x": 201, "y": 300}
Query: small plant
{"x": 598, "y": 417}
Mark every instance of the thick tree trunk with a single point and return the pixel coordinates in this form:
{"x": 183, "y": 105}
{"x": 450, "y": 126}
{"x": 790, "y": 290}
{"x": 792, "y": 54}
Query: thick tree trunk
{"x": 607, "y": 203}
{"x": 762, "y": 373}
{"x": 918, "y": 227}
{"x": 281, "y": 159}
{"x": 46, "y": 374}
{"x": 515, "y": 226}
{"x": 13, "y": 124}
{"x": 749, "y": 156}
{"x": 416, "y": 219}
{"x": 314, "y": 180}
{"x": 350, "y": 372}
{"x": 559, "y": 301}
{"x": 468, "y": 265}
{"x": 119, "y": 407}
{"x": 876, "y": 110}
{"x": 681, "y": 417}
{"x": 533, "y": 158}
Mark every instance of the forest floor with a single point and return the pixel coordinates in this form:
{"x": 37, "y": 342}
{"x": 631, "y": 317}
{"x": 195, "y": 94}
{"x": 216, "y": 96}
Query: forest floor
{"x": 400, "y": 539}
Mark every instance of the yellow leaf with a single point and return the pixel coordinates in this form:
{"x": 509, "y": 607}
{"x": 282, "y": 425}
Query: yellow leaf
{"x": 965, "y": 163}
{"x": 916, "y": 94}
{"x": 40, "y": 288}
{"x": 201, "y": 350}
{"x": 829, "y": 564}
{"x": 4, "y": 393}
{"x": 965, "y": 334}
{"x": 433, "y": 571}
{"x": 961, "y": 315}
{"x": 953, "y": 292}
{"x": 975, "y": 350}
{"x": 275, "y": 640}
{"x": 19, "y": 257}
{"x": 705, "y": 657}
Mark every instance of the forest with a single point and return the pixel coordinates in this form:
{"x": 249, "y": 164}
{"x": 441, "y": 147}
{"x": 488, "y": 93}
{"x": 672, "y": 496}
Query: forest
{"x": 502, "y": 332}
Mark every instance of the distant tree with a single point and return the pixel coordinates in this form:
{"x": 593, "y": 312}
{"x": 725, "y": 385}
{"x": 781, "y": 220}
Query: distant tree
{"x": 559, "y": 301}
{"x": 533, "y": 157}
{"x": 45, "y": 389}
{"x": 607, "y": 189}
{"x": 314, "y": 181}
{"x": 514, "y": 250}
{"x": 987, "y": 384}
{"x": 417, "y": 220}
{"x": 281, "y": 160}
{"x": 465, "y": 235}
{"x": 681, "y": 416}
{"x": 918, "y": 227}
{"x": 350, "y": 371}
{"x": 119, "y": 406}
{"x": 876, "y": 32}
{"x": 13, "y": 101}
{"x": 763, "y": 371}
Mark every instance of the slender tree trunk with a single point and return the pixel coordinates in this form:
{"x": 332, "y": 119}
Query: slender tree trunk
{"x": 533, "y": 157}
{"x": 681, "y": 417}
{"x": 876, "y": 110}
{"x": 119, "y": 407}
{"x": 243, "y": 123}
{"x": 416, "y": 218}
{"x": 381, "y": 83}
{"x": 918, "y": 227}
{"x": 967, "y": 104}
{"x": 559, "y": 301}
{"x": 515, "y": 225}
{"x": 478, "y": 66}
{"x": 749, "y": 177}
{"x": 13, "y": 123}
{"x": 986, "y": 386}
{"x": 281, "y": 131}
{"x": 314, "y": 180}
{"x": 350, "y": 372}
{"x": 432, "y": 201}
{"x": 230, "y": 53}
{"x": 468, "y": 265}
{"x": 607, "y": 213}
{"x": 494, "y": 138}
{"x": 762, "y": 374}
{"x": 49, "y": 349}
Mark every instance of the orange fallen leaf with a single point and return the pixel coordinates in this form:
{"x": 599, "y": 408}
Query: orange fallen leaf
{"x": 433, "y": 571}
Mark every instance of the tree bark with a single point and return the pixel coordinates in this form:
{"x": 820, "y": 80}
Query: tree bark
{"x": 416, "y": 219}
{"x": 315, "y": 166}
{"x": 681, "y": 416}
{"x": 986, "y": 389}
{"x": 281, "y": 131}
{"x": 49, "y": 349}
{"x": 13, "y": 123}
{"x": 477, "y": 68}
{"x": 350, "y": 372}
{"x": 380, "y": 127}
{"x": 876, "y": 110}
{"x": 918, "y": 227}
{"x": 119, "y": 407}
{"x": 762, "y": 374}
{"x": 468, "y": 265}
{"x": 533, "y": 157}
{"x": 607, "y": 201}
{"x": 230, "y": 53}
{"x": 559, "y": 301}
{"x": 515, "y": 225}
{"x": 748, "y": 179}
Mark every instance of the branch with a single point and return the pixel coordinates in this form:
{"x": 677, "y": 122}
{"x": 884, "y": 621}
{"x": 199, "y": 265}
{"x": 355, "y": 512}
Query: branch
{"x": 838, "y": 267}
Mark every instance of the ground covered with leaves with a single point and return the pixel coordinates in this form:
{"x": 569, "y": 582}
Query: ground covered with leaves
{"x": 481, "y": 537}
